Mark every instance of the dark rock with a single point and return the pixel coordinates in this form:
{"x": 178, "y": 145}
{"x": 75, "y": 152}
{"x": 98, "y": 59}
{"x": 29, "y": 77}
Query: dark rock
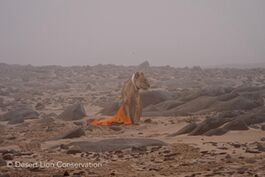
{"x": 163, "y": 106}
{"x": 216, "y": 91}
{"x": 35, "y": 169}
{"x": 208, "y": 124}
{"x": 75, "y": 133}
{"x": 255, "y": 116}
{"x": 216, "y": 132}
{"x": 186, "y": 129}
{"x": 3, "y": 151}
{"x": 19, "y": 114}
{"x": 2, "y": 162}
{"x": 227, "y": 97}
{"x": 8, "y": 156}
{"x": 228, "y": 156}
{"x": 212, "y": 143}
{"x": 17, "y": 120}
{"x": 251, "y": 150}
{"x": 242, "y": 170}
{"x": 78, "y": 123}
{"x": 4, "y": 175}
{"x": 73, "y": 151}
{"x": 110, "y": 109}
{"x": 148, "y": 121}
{"x": 88, "y": 87}
{"x": 11, "y": 138}
{"x": 39, "y": 106}
{"x": 80, "y": 173}
{"x": 46, "y": 121}
{"x": 236, "y": 125}
{"x": 262, "y": 127}
{"x": 115, "y": 128}
{"x": 12, "y": 151}
{"x": 139, "y": 149}
{"x": 169, "y": 104}
{"x": 114, "y": 144}
{"x": 232, "y": 125}
{"x": 247, "y": 102}
{"x": 192, "y": 106}
{"x": 260, "y": 147}
{"x": 66, "y": 173}
{"x": 206, "y": 104}
{"x": 52, "y": 115}
{"x": 229, "y": 114}
{"x": 252, "y": 161}
{"x": 222, "y": 147}
{"x": 255, "y": 126}
{"x": 63, "y": 146}
{"x": 89, "y": 127}
{"x": 73, "y": 112}
{"x": 171, "y": 155}
{"x": 49, "y": 128}
{"x": 236, "y": 145}
{"x": 262, "y": 139}
{"x": 241, "y": 102}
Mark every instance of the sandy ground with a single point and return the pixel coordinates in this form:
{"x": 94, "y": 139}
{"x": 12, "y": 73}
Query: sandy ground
{"x": 188, "y": 155}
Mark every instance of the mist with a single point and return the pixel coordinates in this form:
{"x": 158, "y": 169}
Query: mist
{"x": 164, "y": 32}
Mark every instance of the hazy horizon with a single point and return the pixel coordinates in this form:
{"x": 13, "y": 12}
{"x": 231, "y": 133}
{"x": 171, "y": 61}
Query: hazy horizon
{"x": 177, "y": 33}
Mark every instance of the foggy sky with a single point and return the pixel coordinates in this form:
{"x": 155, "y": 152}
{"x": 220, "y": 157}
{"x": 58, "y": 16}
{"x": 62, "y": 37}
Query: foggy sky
{"x": 164, "y": 32}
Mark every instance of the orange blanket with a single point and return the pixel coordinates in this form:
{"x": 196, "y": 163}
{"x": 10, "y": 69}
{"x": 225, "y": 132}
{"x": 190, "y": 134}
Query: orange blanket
{"x": 120, "y": 117}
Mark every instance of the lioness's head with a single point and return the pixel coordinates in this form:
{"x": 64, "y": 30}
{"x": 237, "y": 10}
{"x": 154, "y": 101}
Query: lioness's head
{"x": 140, "y": 81}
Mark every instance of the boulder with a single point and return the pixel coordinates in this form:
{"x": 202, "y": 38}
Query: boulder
{"x": 241, "y": 102}
{"x": 193, "y": 106}
{"x": 8, "y": 156}
{"x": 227, "y": 97}
{"x": 254, "y": 116}
{"x": 73, "y": 112}
{"x": 214, "y": 91}
{"x": 186, "y": 129}
{"x": 255, "y": 147}
{"x": 154, "y": 97}
{"x": 39, "y": 106}
{"x": 19, "y": 114}
{"x": 261, "y": 147}
{"x": 236, "y": 125}
{"x": 75, "y": 133}
{"x": 110, "y": 109}
{"x": 209, "y": 124}
{"x": 216, "y": 132}
{"x": 108, "y": 145}
{"x": 16, "y": 120}
{"x": 163, "y": 106}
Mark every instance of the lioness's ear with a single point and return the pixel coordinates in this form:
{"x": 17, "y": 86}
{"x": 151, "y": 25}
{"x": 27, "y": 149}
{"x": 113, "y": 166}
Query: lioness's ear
{"x": 137, "y": 74}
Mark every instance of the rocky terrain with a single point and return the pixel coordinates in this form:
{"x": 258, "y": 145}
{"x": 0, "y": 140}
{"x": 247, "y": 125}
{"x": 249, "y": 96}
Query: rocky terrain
{"x": 196, "y": 122}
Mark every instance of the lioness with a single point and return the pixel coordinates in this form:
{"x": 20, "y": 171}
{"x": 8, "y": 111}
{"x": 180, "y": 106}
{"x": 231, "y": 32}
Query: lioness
{"x": 131, "y": 96}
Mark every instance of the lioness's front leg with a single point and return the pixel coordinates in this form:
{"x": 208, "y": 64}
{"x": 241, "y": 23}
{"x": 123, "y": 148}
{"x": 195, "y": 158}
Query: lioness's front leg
{"x": 127, "y": 110}
{"x": 138, "y": 110}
